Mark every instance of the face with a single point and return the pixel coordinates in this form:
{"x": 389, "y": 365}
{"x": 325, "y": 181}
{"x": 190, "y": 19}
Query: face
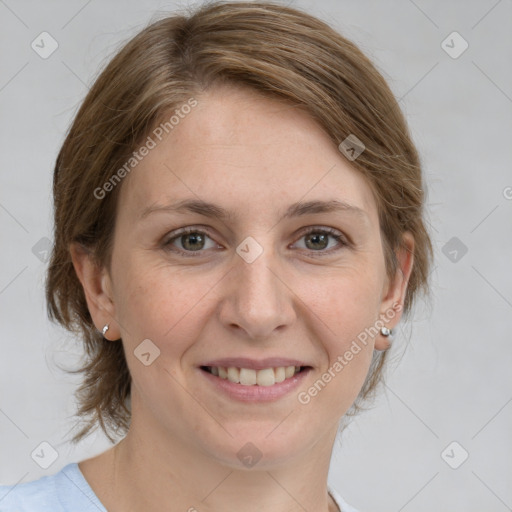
{"x": 268, "y": 277}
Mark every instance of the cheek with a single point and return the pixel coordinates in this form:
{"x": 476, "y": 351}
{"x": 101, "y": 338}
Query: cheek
{"x": 160, "y": 303}
{"x": 344, "y": 308}
{"x": 346, "y": 301}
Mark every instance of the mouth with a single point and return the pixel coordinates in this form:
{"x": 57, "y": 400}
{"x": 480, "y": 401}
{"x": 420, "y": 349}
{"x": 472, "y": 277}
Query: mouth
{"x": 266, "y": 377}
{"x": 244, "y": 379}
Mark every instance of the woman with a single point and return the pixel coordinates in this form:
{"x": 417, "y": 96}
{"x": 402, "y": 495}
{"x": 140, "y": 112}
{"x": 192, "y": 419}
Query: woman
{"x": 238, "y": 230}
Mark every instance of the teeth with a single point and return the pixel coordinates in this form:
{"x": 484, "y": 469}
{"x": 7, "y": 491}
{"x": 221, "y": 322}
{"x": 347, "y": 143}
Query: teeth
{"x": 247, "y": 376}
{"x": 233, "y": 374}
{"x": 280, "y": 374}
{"x": 250, "y": 377}
{"x": 265, "y": 377}
{"x": 289, "y": 371}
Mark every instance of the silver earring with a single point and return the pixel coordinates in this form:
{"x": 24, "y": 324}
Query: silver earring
{"x": 386, "y": 332}
{"x": 105, "y": 329}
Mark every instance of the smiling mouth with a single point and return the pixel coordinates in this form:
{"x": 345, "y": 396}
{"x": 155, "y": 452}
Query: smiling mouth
{"x": 251, "y": 377}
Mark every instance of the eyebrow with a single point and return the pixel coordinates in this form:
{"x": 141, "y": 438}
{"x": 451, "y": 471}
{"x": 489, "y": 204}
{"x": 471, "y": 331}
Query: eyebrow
{"x": 214, "y": 211}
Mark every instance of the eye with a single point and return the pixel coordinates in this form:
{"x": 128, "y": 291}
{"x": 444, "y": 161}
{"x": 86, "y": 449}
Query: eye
{"x": 188, "y": 241}
{"x": 320, "y": 239}
{"x": 192, "y": 241}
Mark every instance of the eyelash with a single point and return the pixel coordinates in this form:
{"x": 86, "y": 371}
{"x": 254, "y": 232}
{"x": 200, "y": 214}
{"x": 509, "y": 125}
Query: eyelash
{"x": 167, "y": 244}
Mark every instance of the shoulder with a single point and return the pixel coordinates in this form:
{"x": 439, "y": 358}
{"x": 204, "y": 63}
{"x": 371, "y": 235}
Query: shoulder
{"x": 65, "y": 491}
{"x": 342, "y": 504}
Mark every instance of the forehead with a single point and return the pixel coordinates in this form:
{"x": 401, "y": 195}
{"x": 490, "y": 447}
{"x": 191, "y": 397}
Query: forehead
{"x": 247, "y": 152}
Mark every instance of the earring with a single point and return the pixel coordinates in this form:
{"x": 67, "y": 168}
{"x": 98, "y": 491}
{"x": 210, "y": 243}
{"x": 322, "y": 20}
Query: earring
{"x": 386, "y": 332}
{"x": 105, "y": 329}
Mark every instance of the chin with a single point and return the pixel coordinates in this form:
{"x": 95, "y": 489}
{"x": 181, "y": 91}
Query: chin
{"x": 261, "y": 447}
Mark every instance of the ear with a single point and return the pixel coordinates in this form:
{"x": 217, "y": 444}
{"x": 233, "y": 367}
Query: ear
{"x": 97, "y": 287}
{"x": 393, "y": 295}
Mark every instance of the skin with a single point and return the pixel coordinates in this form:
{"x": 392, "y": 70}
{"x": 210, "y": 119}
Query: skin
{"x": 253, "y": 156}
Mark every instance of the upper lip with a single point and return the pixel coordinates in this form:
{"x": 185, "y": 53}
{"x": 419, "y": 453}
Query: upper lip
{"x": 254, "y": 364}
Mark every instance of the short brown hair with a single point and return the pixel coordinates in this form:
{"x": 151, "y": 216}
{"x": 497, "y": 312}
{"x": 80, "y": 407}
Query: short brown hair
{"x": 279, "y": 52}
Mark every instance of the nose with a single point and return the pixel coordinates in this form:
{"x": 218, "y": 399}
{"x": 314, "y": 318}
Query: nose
{"x": 257, "y": 300}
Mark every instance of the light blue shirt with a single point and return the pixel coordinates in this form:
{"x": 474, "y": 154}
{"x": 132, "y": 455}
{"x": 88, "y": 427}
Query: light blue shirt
{"x": 68, "y": 491}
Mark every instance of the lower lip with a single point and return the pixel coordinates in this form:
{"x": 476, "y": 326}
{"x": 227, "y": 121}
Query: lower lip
{"x": 256, "y": 393}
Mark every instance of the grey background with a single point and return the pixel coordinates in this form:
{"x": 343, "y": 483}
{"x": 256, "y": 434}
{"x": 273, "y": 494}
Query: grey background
{"x": 451, "y": 382}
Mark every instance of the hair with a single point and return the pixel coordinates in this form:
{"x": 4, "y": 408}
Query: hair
{"x": 277, "y": 51}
